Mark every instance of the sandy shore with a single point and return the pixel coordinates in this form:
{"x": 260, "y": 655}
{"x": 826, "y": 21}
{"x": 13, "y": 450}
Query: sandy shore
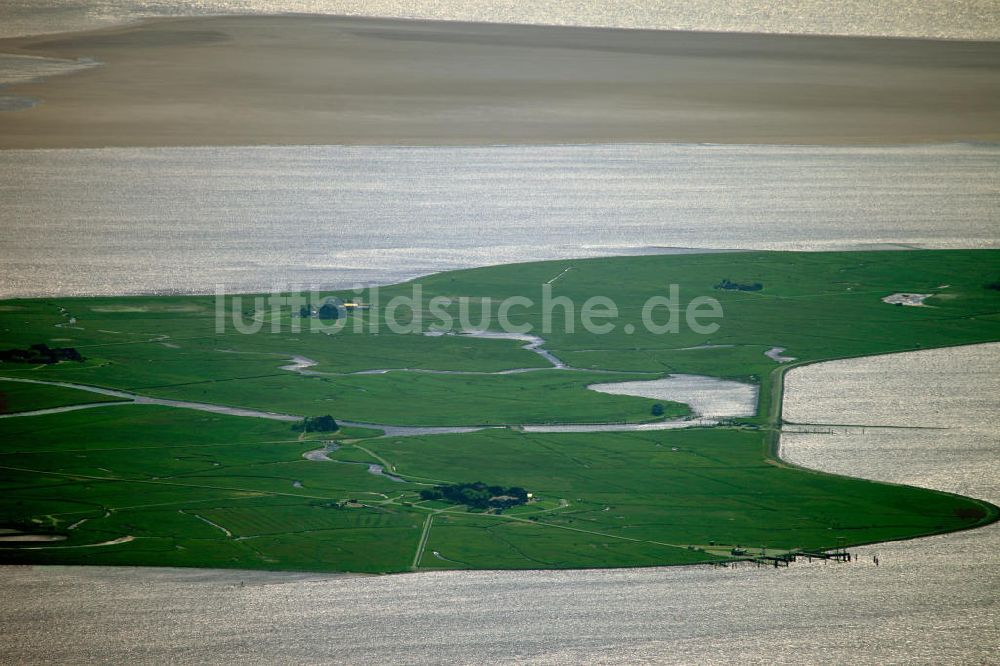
{"x": 331, "y": 80}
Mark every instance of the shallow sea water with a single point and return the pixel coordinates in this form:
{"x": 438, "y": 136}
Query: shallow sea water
{"x": 121, "y": 221}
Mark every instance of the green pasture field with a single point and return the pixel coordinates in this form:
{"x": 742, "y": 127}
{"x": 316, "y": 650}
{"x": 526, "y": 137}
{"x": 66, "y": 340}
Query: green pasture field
{"x": 418, "y": 399}
{"x": 151, "y": 485}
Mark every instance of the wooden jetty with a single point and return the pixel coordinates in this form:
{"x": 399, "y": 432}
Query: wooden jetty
{"x": 840, "y": 556}
{"x": 786, "y": 559}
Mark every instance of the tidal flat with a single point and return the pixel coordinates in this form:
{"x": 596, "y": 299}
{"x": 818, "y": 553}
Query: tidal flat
{"x": 308, "y": 80}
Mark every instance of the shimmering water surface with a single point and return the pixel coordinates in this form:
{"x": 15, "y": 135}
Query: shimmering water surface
{"x": 938, "y": 412}
{"x": 115, "y": 221}
{"x": 931, "y": 601}
{"x": 708, "y": 397}
{"x": 965, "y": 19}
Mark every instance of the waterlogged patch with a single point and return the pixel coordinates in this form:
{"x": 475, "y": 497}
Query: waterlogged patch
{"x": 777, "y": 354}
{"x": 915, "y": 300}
{"x": 183, "y": 307}
{"x": 18, "y": 69}
{"x": 708, "y": 397}
{"x": 118, "y": 308}
{"x": 30, "y": 538}
{"x": 17, "y": 102}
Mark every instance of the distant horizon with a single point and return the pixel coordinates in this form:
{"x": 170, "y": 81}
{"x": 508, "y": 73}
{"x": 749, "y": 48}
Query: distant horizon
{"x": 934, "y": 19}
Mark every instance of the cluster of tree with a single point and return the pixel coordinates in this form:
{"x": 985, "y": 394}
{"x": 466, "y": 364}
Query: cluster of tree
{"x": 477, "y": 495}
{"x": 993, "y": 285}
{"x": 316, "y": 424}
{"x": 40, "y": 353}
{"x": 325, "y": 311}
{"x": 729, "y": 284}
{"x": 657, "y": 409}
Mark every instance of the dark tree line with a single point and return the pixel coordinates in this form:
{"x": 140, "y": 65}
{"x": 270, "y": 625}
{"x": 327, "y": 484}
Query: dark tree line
{"x": 316, "y": 424}
{"x": 477, "y": 495}
{"x": 40, "y": 353}
{"x": 737, "y": 286}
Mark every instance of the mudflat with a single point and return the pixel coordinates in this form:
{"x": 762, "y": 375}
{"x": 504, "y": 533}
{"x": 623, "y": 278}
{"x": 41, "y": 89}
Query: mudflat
{"x": 334, "y": 80}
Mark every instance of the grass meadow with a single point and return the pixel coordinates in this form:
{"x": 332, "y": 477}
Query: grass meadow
{"x": 154, "y": 485}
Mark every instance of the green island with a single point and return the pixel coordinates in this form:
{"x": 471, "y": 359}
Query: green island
{"x": 336, "y": 455}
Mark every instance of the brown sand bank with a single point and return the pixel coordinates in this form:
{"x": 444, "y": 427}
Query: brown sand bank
{"x": 333, "y": 80}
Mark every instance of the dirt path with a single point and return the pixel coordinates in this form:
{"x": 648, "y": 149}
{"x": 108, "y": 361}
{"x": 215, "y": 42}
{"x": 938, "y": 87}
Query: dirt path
{"x": 423, "y": 541}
